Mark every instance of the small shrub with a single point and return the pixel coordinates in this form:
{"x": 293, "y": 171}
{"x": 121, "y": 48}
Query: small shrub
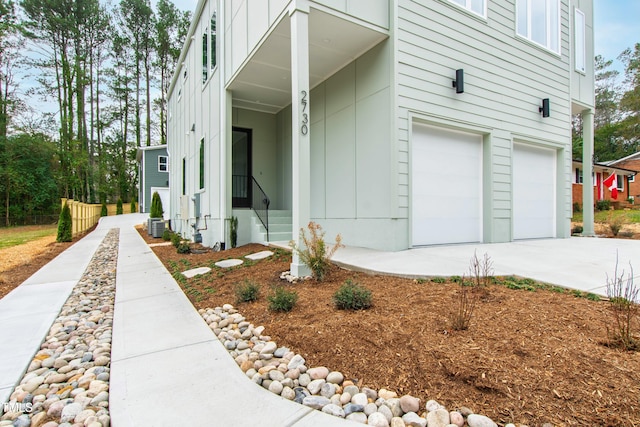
{"x": 623, "y": 310}
{"x": 248, "y": 291}
{"x": 352, "y": 296}
{"x": 132, "y": 206}
{"x": 183, "y": 247}
{"x": 616, "y": 222}
{"x": 119, "y": 207}
{"x": 166, "y": 235}
{"x": 603, "y": 205}
{"x": 315, "y": 254}
{"x": 576, "y": 207}
{"x": 103, "y": 210}
{"x": 233, "y": 233}
{"x": 156, "y": 211}
{"x": 592, "y": 297}
{"x": 176, "y": 239}
{"x": 463, "y": 307}
{"x": 481, "y": 270}
{"x": 65, "y": 231}
{"x": 577, "y": 229}
{"x": 438, "y": 280}
{"x": 282, "y": 299}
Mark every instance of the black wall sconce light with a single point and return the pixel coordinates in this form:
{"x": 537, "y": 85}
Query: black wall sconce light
{"x": 545, "y": 107}
{"x": 458, "y": 83}
{"x": 193, "y": 127}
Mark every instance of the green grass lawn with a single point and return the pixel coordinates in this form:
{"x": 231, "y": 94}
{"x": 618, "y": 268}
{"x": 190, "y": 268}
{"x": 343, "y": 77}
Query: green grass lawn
{"x": 629, "y": 216}
{"x": 14, "y": 236}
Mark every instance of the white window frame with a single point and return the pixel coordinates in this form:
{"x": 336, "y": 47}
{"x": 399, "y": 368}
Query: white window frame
{"x": 165, "y": 163}
{"x": 632, "y": 178}
{"x": 620, "y": 182}
{"x": 528, "y": 33}
{"x": 467, "y": 4}
{"x": 580, "y": 40}
{"x": 579, "y": 176}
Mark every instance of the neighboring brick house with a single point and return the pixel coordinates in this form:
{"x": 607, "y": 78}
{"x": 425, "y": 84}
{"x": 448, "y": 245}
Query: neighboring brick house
{"x": 601, "y": 171}
{"x": 631, "y": 162}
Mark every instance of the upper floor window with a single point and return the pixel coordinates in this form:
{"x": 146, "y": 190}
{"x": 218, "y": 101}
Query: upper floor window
{"x": 476, "y": 6}
{"x": 579, "y": 43}
{"x": 213, "y": 40}
{"x": 539, "y": 21}
{"x": 205, "y": 59}
{"x": 163, "y": 164}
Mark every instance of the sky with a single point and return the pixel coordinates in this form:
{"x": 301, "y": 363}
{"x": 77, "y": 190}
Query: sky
{"x": 616, "y": 27}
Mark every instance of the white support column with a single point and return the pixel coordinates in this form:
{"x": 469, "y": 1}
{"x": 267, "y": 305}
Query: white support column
{"x": 300, "y": 134}
{"x": 587, "y": 170}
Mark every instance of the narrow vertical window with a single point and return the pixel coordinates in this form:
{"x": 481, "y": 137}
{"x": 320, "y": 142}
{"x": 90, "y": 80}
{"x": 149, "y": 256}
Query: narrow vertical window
{"x": 205, "y": 56}
{"x": 202, "y": 163}
{"x": 184, "y": 176}
{"x": 580, "y": 41}
{"x": 213, "y": 40}
{"x": 163, "y": 164}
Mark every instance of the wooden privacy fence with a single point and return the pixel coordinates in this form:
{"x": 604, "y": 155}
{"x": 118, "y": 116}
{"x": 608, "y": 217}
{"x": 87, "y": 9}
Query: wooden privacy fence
{"x": 84, "y": 215}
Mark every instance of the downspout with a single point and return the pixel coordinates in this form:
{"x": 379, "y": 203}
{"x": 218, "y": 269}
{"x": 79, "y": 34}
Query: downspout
{"x": 220, "y": 41}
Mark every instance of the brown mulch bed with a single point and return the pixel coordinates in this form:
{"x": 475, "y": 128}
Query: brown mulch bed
{"x": 529, "y": 357}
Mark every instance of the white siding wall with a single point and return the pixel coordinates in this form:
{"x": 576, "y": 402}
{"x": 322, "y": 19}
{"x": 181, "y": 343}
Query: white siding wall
{"x": 506, "y": 78}
{"x": 583, "y": 84}
{"x": 193, "y": 101}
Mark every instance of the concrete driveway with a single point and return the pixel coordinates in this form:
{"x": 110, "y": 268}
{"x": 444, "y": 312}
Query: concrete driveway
{"x": 578, "y": 262}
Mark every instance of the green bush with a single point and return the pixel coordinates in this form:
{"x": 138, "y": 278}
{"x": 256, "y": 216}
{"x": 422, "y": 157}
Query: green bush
{"x": 577, "y": 207}
{"x": 132, "y": 206}
{"x": 248, "y": 291}
{"x": 577, "y": 229}
{"x": 175, "y": 239}
{"x": 167, "y": 235}
{"x": 65, "y": 233}
{"x": 315, "y": 254}
{"x": 183, "y": 247}
{"x": 103, "y": 210}
{"x": 438, "y": 280}
{"x": 603, "y": 205}
{"x": 352, "y": 296}
{"x": 119, "y": 207}
{"x": 233, "y": 225}
{"x": 156, "y": 210}
{"x": 282, "y": 299}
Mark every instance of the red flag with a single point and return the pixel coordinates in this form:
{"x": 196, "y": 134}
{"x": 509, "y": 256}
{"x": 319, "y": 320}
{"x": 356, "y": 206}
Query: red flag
{"x": 612, "y": 185}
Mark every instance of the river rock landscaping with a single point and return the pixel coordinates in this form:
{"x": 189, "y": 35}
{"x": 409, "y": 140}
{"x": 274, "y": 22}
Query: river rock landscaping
{"x": 67, "y": 382}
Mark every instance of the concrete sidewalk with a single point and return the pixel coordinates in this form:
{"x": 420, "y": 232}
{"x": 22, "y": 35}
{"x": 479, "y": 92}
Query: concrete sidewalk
{"x": 167, "y": 366}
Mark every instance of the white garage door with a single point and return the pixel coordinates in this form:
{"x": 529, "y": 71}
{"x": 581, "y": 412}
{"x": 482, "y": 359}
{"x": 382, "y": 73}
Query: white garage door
{"x": 446, "y": 186}
{"x": 534, "y": 192}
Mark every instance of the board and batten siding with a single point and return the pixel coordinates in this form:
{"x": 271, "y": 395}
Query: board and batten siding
{"x": 506, "y": 78}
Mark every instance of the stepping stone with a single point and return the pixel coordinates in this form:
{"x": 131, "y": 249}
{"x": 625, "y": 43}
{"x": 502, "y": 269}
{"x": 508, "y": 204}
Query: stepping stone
{"x": 195, "y": 272}
{"x": 153, "y": 245}
{"x": 227, "y": 263}
{"x": 259, "y": 255}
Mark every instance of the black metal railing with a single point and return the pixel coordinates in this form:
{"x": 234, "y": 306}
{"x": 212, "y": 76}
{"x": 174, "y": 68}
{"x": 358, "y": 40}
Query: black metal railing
{"x": 260, "y": 204}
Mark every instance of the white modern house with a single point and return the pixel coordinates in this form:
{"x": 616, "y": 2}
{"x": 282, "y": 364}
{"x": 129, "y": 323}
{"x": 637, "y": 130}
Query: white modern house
{"x": 396, "y": 123}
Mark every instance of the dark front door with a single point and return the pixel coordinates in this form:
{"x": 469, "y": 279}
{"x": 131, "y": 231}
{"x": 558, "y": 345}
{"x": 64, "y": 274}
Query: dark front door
{"x": 241, "y": 168}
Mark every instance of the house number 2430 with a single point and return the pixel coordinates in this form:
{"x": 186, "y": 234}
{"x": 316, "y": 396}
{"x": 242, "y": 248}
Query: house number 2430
{"x": 304, "y": 128}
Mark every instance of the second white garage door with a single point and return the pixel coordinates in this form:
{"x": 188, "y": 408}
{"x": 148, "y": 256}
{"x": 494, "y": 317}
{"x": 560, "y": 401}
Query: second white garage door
{"x": 534, "y": 192}
{"x": 446, "y": 186}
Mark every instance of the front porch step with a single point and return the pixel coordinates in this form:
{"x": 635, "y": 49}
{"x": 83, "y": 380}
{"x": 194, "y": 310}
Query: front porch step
{"x": 280, "y": 224}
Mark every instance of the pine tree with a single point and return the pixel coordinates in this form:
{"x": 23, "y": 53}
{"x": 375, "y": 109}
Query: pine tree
{"x": 156, "y": 210}
{"x": 64, "y": 225}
